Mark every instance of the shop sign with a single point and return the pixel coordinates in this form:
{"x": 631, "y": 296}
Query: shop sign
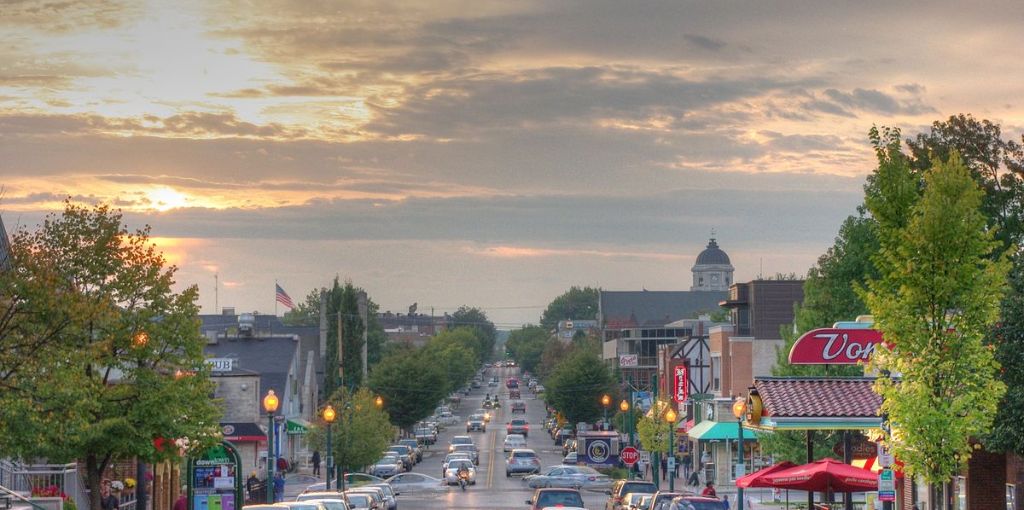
{"x": 832, "y": 346}
{"x": 861, "y": 449}
{"x": 219, "y": 364}
{"x": 629, "y": 360}
{"x": 886, "y": 485}
{"x": 680, "y": 383}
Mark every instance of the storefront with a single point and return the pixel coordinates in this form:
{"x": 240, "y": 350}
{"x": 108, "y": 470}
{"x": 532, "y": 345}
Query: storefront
{"x": 718, "y": 447}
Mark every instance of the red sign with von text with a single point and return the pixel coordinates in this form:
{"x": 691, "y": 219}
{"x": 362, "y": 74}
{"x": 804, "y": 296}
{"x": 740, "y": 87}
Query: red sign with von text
{"x": 680, "y": 383}
{"x": 831, "y": 346}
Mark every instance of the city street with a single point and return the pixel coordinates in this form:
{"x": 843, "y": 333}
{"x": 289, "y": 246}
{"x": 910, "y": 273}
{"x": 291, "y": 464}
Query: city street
{"x": 493, "y": 490}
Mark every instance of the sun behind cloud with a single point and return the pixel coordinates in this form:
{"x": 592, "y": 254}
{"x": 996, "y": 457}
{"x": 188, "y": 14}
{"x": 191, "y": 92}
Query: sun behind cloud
{"x": 165, "y": 198}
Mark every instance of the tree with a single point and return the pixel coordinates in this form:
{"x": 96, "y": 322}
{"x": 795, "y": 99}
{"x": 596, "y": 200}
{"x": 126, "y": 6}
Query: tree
{"x": 99, "y": 355}
{"x": 553, "y": 355}
{"x": 526, "y": 346}
{"x": 411, "y": 384}
{"x": 576, "y": 386}
{"x": 305, "y": 313}
{"x": 937, "y": 295}
{"x": 455, "y": 351}
{"x": 575, "y": 303}
{"x": 476, "y": 319}
{"x": 361, "y": 430}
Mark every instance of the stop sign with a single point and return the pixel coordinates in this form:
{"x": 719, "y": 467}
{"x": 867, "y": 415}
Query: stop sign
{"x": 629, "y": 456}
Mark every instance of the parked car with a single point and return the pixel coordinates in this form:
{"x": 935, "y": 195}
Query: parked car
{"x": 522, "y": 460}
{"x": 518, "y": 406}
{"x": 390, "y": 496}
{"x": 622, "y": 487}
{"x": 697, "y": 503}
{"x": 416, "y": 448}
{"x": 513, "y": 441}
{"x": 575, "y": 477}
{"x": 425, "y": 435}
{"x": 379, "y": 499}
{"x": 305, "y": 505}
{"x": 406, "y": 454}
{"x": 546, "y": 498}
{"x": 663, "y": 499}
{"x": 636, "y": 500}
{"x": 389, "y": 465}
{"x": 361, "y": 501}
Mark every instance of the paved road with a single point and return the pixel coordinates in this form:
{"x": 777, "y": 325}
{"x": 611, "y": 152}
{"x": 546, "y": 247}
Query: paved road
{"x": 493, "y": 490}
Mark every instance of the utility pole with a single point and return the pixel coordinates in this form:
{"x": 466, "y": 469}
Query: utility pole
{"x": 364, "y": 312}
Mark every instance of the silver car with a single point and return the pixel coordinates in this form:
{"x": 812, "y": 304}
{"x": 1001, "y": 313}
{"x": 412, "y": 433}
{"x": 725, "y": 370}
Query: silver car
{"x": 328, "y": 504}
{"x": 574, "y": 477}
{"x": 451, "y": 473}
{"x": 389, "y": 465}
{"x": 412, "y": 483}
{"x": 389, "y": 494}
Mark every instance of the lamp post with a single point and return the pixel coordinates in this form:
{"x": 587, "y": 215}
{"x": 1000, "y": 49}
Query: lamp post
{"x": 606, "y": 401}
{"x": 670, "y": 417}
{"x": 329, "y": 416}
{"x": 739, "y": 410}
{"x": 348, "y": 433}
{"x": 270, "y": 403}
{"x": 624, "y": 407}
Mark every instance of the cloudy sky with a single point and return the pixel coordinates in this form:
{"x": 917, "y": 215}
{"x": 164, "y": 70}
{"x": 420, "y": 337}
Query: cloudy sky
{"x": 489, "y": 153}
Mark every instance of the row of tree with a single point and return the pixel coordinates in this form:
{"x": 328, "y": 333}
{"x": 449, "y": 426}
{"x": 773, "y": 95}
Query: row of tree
{"x": 932, "y": 254}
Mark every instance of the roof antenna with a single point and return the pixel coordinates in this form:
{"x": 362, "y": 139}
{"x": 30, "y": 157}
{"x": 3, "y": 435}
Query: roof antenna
{"x": 760, "y": 268}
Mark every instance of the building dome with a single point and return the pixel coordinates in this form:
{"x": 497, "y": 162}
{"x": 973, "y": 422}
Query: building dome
{"x": 712, "y": 255}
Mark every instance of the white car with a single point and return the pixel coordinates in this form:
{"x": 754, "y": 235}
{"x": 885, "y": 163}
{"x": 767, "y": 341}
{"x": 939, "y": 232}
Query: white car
{"x": 451, "y": 473}
{"x": 412, "y": 483}
{"x": 513, "y": 441}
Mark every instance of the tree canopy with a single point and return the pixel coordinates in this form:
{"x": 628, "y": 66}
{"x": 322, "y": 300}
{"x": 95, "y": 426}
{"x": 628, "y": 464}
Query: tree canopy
{"x": 411, "y": 383}
{"x": 361, "y": 430}
{"x": 526, "y": 345}
{"x": 575, "y": 387}
{"x": 575, "y": 304}
{"x": 98, "y": 355}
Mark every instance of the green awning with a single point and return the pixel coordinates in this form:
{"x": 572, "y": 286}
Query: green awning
{"x": 295, "y": 427}
{"x": 717, "y": 430}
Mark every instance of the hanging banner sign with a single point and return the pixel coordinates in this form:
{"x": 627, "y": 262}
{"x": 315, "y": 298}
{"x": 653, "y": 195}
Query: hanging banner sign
{"x": 680, "y": 383}
{"x": 831, "y": 346}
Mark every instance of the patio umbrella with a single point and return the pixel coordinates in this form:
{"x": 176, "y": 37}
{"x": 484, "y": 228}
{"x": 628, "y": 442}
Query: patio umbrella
{"x": 756, "y": 479}
{"x": 826, "y": 475}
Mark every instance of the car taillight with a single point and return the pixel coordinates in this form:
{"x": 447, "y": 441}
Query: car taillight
{"x": 591, "y": 478}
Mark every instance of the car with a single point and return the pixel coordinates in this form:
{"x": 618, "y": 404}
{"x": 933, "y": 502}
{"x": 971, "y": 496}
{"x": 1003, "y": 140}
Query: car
{"x": 458, "y": 440}
{"x": 518, "y": 406}
{"x": 338, "y": 503}
{"x": 518, "y": 426}
{"x": 416, "y": 448}
{"x": 476, "y": 423}
{"x": 513, "y": 441}
{"x": 470, "y": 449}
{"x": 622, "y": 487}
{"x": 487, "y": 405}
{"x": 522, "y": 460}
{"x": 455, "y": 456}
{"x": 514, "y": 393}
{"x": 492, "y": 384}
{"x": 575, "y": 477}
{"x": 351, "y": 480}
{"x": 390, "y": 496}
{"x": 636, "y": 500}
{"x": 413, "y": 483}
{"x": 379, "y": 499}
{"x": 405, "y": 453}
{"x": 425, "y": 435}
{"x": 388, "y": 465}
{"x": 570, "y": 459}
{"x": 663, "y": 499}
{"x": 544, "y": 498}
{"x": 475, "y": 383}
{"x": 512, "y": 383}
{"x": 310, "y": 496}
{"x": 451, "y": 473}
{"x": 697, "y": 503}
{"x": 357, "y": 501}
{"x": 568, "y": 445}
{"x": 539, "y": 388}
{"x": 264, "y": 506}
{"x": 306, "y": 505}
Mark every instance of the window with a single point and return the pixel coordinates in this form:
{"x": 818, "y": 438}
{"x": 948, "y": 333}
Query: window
{"x": 1011, "y": 496}
{"x": 716, "y": 371}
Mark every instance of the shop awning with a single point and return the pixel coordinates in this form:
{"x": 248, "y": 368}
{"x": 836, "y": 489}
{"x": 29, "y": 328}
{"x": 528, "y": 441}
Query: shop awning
{"x": 243, "y": 432}
{"x": 297, "y": 427}
{"x": 719, "y": 430}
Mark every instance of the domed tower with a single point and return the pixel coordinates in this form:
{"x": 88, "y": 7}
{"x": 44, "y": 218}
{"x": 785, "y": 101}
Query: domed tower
{"x": 712, "y": 272}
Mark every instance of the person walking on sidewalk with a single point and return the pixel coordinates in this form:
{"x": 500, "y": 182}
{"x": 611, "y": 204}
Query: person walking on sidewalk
{"x": 316, "y": 463}
{"x": 664, "y": 467}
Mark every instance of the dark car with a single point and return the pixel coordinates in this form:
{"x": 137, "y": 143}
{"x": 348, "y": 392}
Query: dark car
{"x": 546, "y": 498}
{"x": 622, "y": 487}
{"x": 518, "y": 406}
{"x": 697, "y": 503}
{"x": 416, "y": 447}
{"x": 514, "y": 393}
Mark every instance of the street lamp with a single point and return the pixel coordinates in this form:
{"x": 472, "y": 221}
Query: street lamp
{"x": 739, "y": 410}
{"x": 348, "y": 432}
{"x": 379, "y": 402}
{"x": 270, "y": 403}
{"x": 606, "y": 401}
{"x": 329, "y": 417}
{"x": 625, "y": 408}
{"x": 670, "y": 417}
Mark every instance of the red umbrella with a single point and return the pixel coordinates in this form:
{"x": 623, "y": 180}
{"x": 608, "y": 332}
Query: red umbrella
{"x": 823, "y": 476}
{"x": 756, "y": 479}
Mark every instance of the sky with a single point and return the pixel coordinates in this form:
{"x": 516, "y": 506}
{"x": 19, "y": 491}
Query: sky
{"x": 481, "y": 153}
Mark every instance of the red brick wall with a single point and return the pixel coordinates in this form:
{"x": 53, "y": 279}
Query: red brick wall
{"x": 1015, "y": 475}
{"x": 986, "y": 481}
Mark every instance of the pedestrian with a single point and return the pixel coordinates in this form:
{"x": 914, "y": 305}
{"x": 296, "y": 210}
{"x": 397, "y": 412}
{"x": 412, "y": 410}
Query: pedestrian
{"x": 108, "y": 501}
{"x": 664, "y": 467}
{"x": 252, "y": 485}
{"x": 694, "y": 480}
{"x": 725, "y": 501}
{"x": 182, "y": 502}
{"x": 687, "y": 463}
{"x": 316, "y": 463}
{"x": 709, "y": 490}
{"x": 279, "y": 487}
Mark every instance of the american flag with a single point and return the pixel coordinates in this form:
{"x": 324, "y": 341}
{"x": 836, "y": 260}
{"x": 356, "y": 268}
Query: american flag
{"x": 283, "y": 297}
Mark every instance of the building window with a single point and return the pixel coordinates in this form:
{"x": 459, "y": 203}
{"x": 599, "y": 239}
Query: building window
{"x": 700, "y": 281}
{"x": 1011, "y": 496}
{"x": 716, "y": 371}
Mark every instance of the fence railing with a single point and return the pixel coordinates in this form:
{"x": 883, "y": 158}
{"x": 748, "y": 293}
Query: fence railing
{"x": 45, "y": 480}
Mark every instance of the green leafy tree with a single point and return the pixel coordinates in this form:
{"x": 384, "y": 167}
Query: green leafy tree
{"x": 476, "y": 319}
{"x": 98, "y": 355}
{"x": 412, "y": 384}
{"x": 361, "y": 430}
{"x": 306, "y": 312}
{"x": 653, "y": 433}
{"x": 575, "y": 303}
{"x": 526, "y": 346}
{"x": 456, "y": 351}
{"x": 553, "y": 355}
{"x": 577, "y": 384}
{"x": 936, "y": 298}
